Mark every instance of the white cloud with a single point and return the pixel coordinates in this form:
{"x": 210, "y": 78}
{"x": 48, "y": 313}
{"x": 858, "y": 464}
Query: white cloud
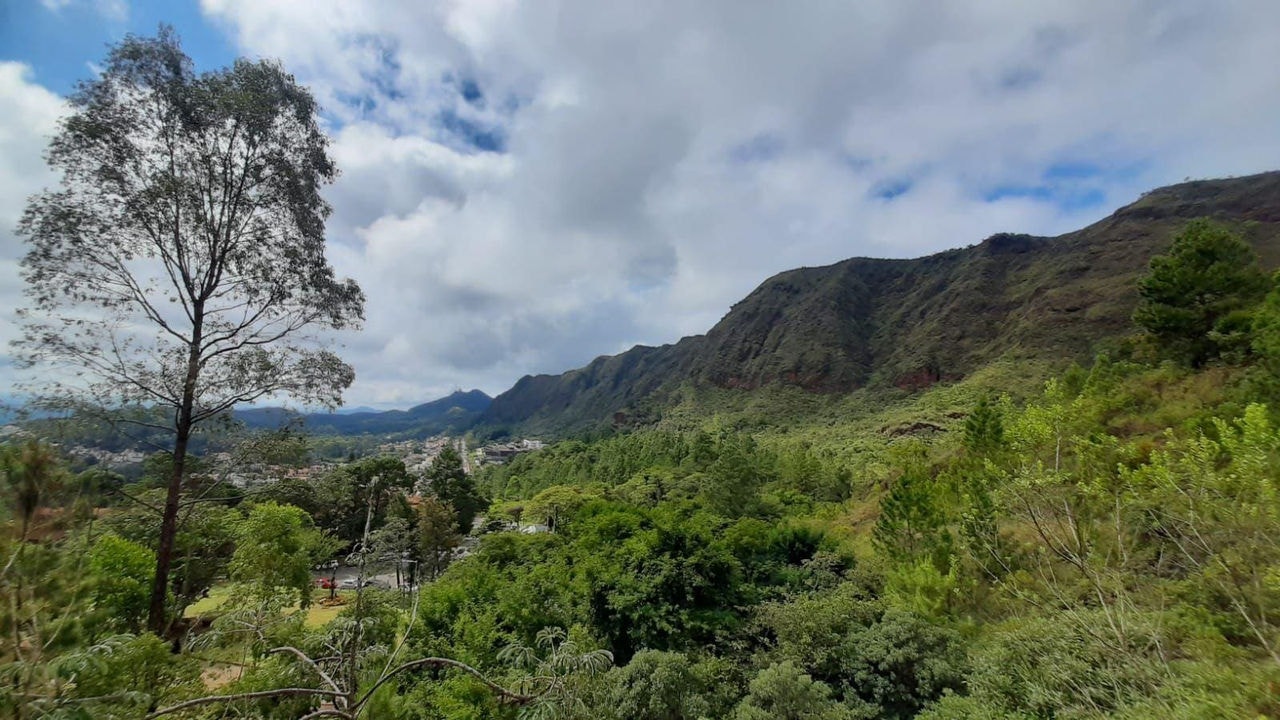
{"x": 661, "y": 159}
{"x": 115, "y": 10}
{"x": 30, "y": 117}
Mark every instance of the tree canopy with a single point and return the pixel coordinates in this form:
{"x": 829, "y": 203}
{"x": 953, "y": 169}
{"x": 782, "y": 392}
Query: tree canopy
{"x": 448, "y": 480}
{"x": 1208, "y": 275}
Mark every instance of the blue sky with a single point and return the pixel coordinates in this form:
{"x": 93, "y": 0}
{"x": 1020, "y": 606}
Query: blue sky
{"x": 60, "y": 41}
{"x": 526, "y": 186}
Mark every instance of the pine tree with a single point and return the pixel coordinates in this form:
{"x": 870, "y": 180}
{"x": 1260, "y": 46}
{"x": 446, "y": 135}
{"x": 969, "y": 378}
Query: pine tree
{"x": 983, "y": 429}
{"x": 912, "y": 522}
{"x": 1208, "y": 276}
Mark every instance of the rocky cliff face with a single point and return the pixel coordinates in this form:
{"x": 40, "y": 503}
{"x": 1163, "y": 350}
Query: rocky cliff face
{"x": 909, "y": 322}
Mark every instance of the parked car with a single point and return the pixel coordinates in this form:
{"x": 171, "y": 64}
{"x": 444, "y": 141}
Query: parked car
{"x": 324, "y": 583}
{"x": 348, "y": 584}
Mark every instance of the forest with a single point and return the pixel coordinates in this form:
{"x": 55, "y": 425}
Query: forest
{"x": 1107, "y": 545}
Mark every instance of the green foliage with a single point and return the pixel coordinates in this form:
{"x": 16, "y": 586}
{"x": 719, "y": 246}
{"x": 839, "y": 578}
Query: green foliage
{"x": 984, "y": 428}
{"x": 120, "y": 575}
{"x": 202, "y": 546}
{"x": 276, "y": 545}
{"x": 733, "y": 481}
{"x": 667, "y": 578}
{"x": 922, "y": 588}
{"x": 1266, "y": 329}
{"x": 783, "y": 692}
{"x": 730, "y": 472}
{"x": 914, "y": 521}
{"x": 437, "y": 535}
{"x": 29, "y": 472}
{"x": 562, "y": 670}
{"x": 1039, "y": 668}
{"x": 123, "y": 677}
{"x": 1214, "y": 506}
{"x": 1209, "y": 274}
{"x": 449, "y": 482}
{"x": 1105, "y": 547}
{"x": 379, "y": 615}
{"x": 888, "y": 662}
{"x": 554, "y": 505}
{"x": 341, "y": 500}
{"x": 658, "y": 685}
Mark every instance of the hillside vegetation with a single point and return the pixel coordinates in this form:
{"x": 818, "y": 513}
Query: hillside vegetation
{"x": 1036, "y": 539}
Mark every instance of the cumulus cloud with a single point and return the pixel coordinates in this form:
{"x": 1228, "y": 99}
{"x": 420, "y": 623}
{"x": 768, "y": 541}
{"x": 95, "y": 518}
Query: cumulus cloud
{"x": 30, "y": 117}
{"x": 528, "y": 185}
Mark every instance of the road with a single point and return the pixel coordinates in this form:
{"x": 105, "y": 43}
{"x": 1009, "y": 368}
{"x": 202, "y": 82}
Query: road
{"x": 382, "y": 578}
{"x": 461, "y": 446}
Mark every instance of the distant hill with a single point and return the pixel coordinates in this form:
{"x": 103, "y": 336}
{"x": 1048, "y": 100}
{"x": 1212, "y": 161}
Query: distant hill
{"x": 910, "y": 323}
{"x": 454, "y": 413}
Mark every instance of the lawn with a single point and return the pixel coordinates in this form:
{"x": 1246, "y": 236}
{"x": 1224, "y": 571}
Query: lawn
{"x": 317, "y": 614}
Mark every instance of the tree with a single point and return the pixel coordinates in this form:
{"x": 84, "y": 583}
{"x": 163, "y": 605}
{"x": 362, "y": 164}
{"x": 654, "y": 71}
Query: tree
{"x": 1266, "y": 329}
{"x": 784, "y": 692}
{"x": 558, "y": 674}
{"x": 1214, "y": 503}
{"x": 913, "y": 522}
{"x": 28, "y": 472}
{"x": 658, "y": 685}
{"x": 276, "y": 545}
{"x": 181, "y": 265}
{"x": 120, "y": 575}
{"x": 556, "y": 504}
{"x": 1208, "y": 277}
{"x": 449, "y": 481}
{"x": 871, "y": 655}
{"x": 437, "y": 535}
{"x": 734, "y": 478}
{"x": 342, "y": 500}
{"x": 202, "y": 546}
{"x": 983, "y": 428}
{"x": 393, "y": 542}
{"x": 120, "y": 678}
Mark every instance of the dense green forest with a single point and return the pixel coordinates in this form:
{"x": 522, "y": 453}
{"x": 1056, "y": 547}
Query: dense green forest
{"x": 1107, "y": 545}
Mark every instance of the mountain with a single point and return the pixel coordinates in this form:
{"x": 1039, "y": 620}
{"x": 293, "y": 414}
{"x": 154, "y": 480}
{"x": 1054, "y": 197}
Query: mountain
{"x": 453, "y": 413}
{"x": 866, "y": 322}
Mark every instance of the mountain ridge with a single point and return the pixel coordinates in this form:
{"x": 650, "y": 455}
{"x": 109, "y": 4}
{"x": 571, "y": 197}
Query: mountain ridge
{"x": 907, "y": 322}
{"x": 455, "y": 412}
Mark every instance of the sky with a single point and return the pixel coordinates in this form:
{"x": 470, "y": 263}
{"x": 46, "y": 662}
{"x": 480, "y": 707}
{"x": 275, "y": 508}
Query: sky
{"x": 528, "y": 185}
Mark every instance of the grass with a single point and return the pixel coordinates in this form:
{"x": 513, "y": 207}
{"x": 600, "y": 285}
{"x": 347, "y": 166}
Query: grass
{"x": 209, "y": 605}
{"x": 317, "y": 615}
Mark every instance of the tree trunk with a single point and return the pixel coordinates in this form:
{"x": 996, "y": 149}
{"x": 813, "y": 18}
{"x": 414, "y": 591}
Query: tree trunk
{"x": 157, "y": 621}
{"x": 352, "y": 668}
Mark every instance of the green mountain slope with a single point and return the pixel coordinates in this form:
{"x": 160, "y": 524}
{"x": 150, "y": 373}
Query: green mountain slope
{"x": 866, "y": 322}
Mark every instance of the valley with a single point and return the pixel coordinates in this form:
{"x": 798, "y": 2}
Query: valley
{"x": 846, "y": 477}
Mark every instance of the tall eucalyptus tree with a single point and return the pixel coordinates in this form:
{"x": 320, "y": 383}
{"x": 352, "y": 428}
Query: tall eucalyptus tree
{"x": 180, "y": 263}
